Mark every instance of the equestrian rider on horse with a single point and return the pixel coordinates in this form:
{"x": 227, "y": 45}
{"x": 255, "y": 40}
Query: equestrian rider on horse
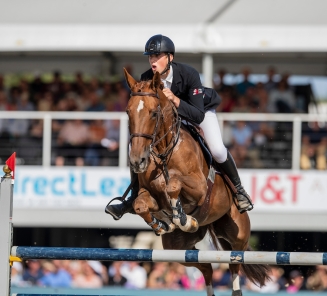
{"x": 183, "y": 87}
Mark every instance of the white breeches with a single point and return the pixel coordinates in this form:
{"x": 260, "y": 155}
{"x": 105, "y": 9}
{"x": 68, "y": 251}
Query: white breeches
{"x": 213, "y": 137}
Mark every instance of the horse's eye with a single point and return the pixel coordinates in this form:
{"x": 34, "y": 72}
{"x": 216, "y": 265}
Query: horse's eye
{"x": 154, "y": 114}
{"x": 127, "y": 111}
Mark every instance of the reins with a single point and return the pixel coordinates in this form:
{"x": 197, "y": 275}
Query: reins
{"x": 177, "y": 124}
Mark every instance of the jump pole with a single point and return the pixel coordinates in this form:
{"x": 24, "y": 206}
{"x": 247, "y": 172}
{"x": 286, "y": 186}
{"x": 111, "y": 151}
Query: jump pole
{"x": 181, "y": 256}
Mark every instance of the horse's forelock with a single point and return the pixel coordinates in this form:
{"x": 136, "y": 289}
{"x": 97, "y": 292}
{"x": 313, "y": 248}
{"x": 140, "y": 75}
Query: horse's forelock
{"x": 141, "y": 86}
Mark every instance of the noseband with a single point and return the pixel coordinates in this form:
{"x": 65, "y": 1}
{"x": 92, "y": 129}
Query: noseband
{"x": 162, "y": 156}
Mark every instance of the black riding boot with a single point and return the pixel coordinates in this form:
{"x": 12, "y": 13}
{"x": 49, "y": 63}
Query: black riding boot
{"x": 229, "y": 168}
{"x": 118, "y": 210}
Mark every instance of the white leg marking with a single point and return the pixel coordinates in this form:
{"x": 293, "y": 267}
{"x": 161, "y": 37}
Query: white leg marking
{"x": 209, "y": 291}
{"x": 236, "y": 282}
{"x": 140, "y": 106}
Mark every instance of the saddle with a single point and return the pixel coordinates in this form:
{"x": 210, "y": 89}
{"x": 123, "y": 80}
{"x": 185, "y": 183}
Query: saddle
{"x": 197, "y": 133}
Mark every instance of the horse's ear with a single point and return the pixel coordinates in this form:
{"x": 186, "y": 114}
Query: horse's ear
{"x": 156, "y": 81}
{"x": 129, "y": 79}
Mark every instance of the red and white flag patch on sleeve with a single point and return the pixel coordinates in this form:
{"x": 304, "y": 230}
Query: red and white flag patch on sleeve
{"x": 197, "y": 91}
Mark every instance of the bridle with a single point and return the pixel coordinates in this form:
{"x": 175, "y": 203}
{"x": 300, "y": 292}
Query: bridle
{"x": 159, "y": 116}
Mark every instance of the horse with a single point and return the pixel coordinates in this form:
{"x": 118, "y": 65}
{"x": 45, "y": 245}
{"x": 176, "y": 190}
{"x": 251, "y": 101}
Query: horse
{"x": 172, "y": 174}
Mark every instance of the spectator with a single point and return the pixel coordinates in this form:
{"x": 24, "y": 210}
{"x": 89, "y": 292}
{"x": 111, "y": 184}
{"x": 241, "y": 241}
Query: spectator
{"x": 2, "y": 83}
{"x": 72, "y": 140}
{"x": 227, "y": 101}
{"x": 33, "y": 273}
{"x": 90, "y": 276}
{"x": 296, "y": 282}
{"x": 242, "y": 105}
{"x": 242, "y": 138}
{"x": 83, "y": 102}
{"x": 95, "y": 104}
{"x": 24, "y": 104}
{"x": 55, "y": 276}
{"x": 109, "y": 98}
{"x": 157, "y": 276}
{"x": 14, "y": 96}
{"x": 270, "y": 84}
{"x": 24, "y": 91}
{"x": 315, "y": 131}
{"x": 220, "y": 85}
{"x": 282, "y": 99}
{"x": 4, "y": 104}
{"x": 318, "y": 280}
{"x": 245, "y": 84}
{"x": 16, "y": 279}
{"x": 221, "y": 277}
{"x": 17, "y": 127}
{"x": 37, "y": 87}
{"x": 242, "y": 134}
{"x": 56, "y": 86}
{"x": 262, "y": 98}
{"x": 123, "y": 97}
{"x": 96, "y": 87}
{"x": 322, "y": 154}
{"x": 79, "y": 84}
{"x": 115, "y": 276}
{"x": 135, "y": 274}
{"x": 45, "y": 102}
{"x": 94, "y": 151}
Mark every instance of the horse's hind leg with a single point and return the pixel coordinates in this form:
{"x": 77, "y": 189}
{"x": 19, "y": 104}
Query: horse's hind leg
{"x": 234, "y": 228}
{"x": 234, "y": 269}
{"x": 179, "y": 240}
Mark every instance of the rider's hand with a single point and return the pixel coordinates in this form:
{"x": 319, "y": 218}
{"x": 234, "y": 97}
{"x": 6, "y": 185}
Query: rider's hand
{"x": 171, "y": 97}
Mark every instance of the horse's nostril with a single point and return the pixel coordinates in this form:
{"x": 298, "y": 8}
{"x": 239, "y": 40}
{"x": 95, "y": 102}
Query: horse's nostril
{"x": 142, "y": 160}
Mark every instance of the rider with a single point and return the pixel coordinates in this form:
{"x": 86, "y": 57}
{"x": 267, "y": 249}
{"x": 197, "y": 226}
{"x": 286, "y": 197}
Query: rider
{"x": 183, "y": 87}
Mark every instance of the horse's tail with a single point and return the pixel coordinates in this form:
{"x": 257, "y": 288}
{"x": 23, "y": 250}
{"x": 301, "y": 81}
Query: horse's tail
{"x": 256, "y": 273}
{"x": 213, "y": 236}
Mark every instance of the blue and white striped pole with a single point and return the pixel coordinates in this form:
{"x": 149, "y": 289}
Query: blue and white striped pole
{"x": 181, "y": 256}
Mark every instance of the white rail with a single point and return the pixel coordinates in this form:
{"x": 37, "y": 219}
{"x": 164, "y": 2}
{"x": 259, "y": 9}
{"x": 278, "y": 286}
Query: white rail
{"x": 47, "y": 118}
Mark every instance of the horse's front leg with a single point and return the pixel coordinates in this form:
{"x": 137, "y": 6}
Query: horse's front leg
{"x": 143, "y": 205}
{"x": 184, "y": 222}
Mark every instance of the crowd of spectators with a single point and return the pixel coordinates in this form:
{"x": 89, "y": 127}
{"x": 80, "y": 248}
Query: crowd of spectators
{"x": 246, "y": 139}
{"x": 161, "y": 275}
{"x": 77, "y": 142}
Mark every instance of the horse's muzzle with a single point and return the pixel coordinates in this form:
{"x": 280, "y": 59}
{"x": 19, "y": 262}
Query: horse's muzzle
{"x": 139, "y": 163}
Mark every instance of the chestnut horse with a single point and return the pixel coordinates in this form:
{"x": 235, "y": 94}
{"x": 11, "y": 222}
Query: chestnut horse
{"x": 172, "y": 174}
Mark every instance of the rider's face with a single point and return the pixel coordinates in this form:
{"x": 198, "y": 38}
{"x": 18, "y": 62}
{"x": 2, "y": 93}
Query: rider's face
{"x": 158, "y": 62}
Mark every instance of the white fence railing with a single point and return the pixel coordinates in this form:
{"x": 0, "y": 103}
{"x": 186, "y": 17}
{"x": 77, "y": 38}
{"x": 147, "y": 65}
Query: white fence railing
{"x": 47, "y": 118}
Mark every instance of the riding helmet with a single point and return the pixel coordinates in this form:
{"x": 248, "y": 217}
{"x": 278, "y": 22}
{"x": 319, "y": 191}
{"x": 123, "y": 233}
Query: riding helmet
{"x": 159, "y": 43}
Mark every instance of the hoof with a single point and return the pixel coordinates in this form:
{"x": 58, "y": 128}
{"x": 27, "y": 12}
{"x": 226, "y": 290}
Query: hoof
{"x": 237, "y": 293}
{"x": 194, "y": 225}
{"x": 165, "y": 229}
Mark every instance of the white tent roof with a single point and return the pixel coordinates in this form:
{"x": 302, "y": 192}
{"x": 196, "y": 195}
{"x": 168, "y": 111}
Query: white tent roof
{"x": 213, "y": 26}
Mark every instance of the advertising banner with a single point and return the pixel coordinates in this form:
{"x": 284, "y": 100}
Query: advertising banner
{"x": 92, "y": 188}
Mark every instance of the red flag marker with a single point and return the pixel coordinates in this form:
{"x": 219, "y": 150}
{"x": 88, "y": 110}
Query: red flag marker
{"x": 11, "y": 163}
